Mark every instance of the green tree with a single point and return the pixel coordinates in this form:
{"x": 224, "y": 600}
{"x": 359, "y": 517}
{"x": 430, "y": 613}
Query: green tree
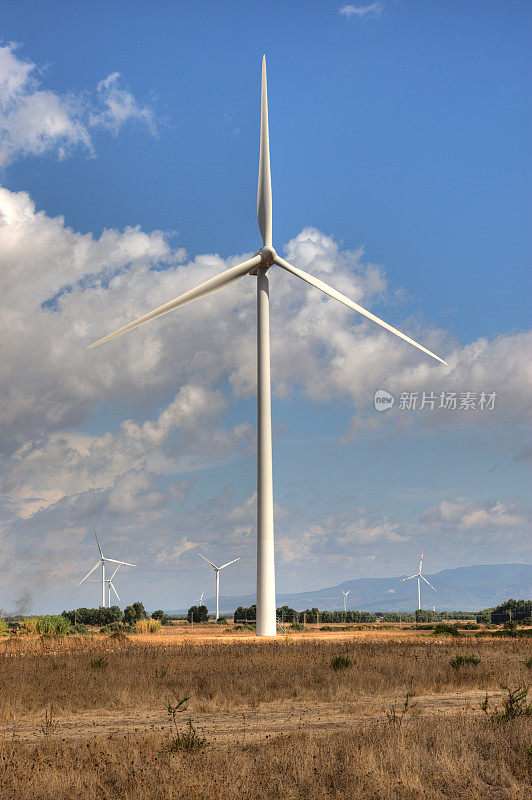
{"x": 424, "y": 615}
{"x": 140, "y": 611}
{"x": 198, "y": 613}
{"x": 158, "y": 614}
{"x": 130, "y": 615}
{"x": 245, "y": 614}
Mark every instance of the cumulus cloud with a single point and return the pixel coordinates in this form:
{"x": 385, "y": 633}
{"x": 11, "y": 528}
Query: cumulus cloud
{"x": 339, "y": 535}
{"x": 35, "y": 120}
{"x": 468, "y": 515}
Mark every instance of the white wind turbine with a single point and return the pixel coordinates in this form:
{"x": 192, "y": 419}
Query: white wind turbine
{"x": 200, "y": 601}
{"x": 110, "y": 585}
{"x": 419, "y": 577}
{"x": 345, "y": 598}
{"x": 217, "y": 571}
{"x": 258, "y": 266}
{"x": 102, "y": 560}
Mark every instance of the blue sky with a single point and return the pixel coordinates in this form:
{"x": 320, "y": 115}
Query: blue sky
{"x": 401, "y": 168}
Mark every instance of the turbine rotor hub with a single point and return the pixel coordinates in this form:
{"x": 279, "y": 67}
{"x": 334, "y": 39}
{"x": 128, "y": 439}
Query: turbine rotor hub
{"x": 268, "y": 255}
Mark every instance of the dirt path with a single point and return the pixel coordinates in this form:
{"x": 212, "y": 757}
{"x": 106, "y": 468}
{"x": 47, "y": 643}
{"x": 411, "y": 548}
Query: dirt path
{"x": 247, "y": 725}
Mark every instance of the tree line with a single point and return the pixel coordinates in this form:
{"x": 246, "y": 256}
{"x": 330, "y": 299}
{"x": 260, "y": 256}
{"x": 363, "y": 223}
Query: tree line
{"x": 99, "y": 617}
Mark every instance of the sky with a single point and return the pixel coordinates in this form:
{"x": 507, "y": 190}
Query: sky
{"x": 400, "y": 156}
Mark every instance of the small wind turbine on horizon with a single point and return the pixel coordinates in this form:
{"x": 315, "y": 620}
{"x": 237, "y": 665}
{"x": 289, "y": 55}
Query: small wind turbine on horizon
{"x": 110, "y": 585}
{"x": 345, "y": 598}
{"x": 217, "y": 571}
{"x": 200, "y": 601}
{"x": 258, "y": 266}
{"x": 103, "y": 560}
{"x": 419, "y": 577}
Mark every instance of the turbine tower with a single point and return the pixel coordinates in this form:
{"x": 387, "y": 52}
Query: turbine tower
{"x": 419, "y": 577}
{"x": 102, "y": 560}
{"x": 217, "y": 572}
{"x": 345, "y": 598}
{"x": 258, "y": 266}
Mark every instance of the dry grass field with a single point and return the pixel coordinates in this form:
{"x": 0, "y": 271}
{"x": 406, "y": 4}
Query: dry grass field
{"x": 89, "y": 716}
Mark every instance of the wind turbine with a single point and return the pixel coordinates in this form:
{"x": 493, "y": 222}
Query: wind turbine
{"x": 419, "y": 577}
{"x": 200, "y": 601}
{"x": 258, "y": 266}
{"x": 110, "y": 585}
{"x": 345, "y": 598}
{"x": 217, "y": 571}
{"x": 102, "y": 560}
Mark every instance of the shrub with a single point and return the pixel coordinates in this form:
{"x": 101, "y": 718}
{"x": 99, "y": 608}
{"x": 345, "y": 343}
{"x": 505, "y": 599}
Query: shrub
{"x": 112, "y": 628}
{"x": 28, "y": 627}
{"x": 189, "y": 740}
{"x": 148, "y": 625}
{"x": 4, "y": 628}
{"x": 49, "y": 625}
{"x": 98, "y": 663}
{"x": 515, "y": 705}
{"x": 221, "y": 621}
{"x": 445, "y": 630}
{"x": 459, "y": 661}
{"x": 340, "y": 662}
{"x": 79, "y": 628}
{"x": 298, "y": 626}
{"x": 119, "y": 636}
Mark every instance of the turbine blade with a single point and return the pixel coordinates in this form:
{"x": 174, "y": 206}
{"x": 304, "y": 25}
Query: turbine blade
{"x": 90, "y": 573}
{"x": 207, "y": 560}
{"x": 421, "y": 562}
{"x": 230, "y": 562}
{"x": 114, "y": 573}
{"x": 347, "y": 592}
{"x": 264, "y": 190}
{"x": 98, "y": 543}
{"x": 409, "y": 578}
{"x": 426, "y": 581}
{"x": 350, "y": 304}
{"x": 114, "y": 590}
{"x": 114, "y": 561}
{"x": 212, "y": 285}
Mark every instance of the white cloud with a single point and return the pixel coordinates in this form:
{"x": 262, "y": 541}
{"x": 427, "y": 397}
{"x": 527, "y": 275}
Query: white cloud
{"x": 35, "y": 121}
{"x": 468, "y": 515}
{"x": 116, "y": 106}
{"x": 363, "y": 12}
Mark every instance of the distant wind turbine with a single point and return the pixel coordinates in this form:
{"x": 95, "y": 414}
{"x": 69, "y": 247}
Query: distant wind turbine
{"x": 110, "y": 585}
{"x": 200, "y": 601}
{"x": 102, "y": 560}
{"x": 419, "y": 577}
{"x": 345, "y": 598}
{"x": 217, "y": 571}
{"x": 258, "y": 266}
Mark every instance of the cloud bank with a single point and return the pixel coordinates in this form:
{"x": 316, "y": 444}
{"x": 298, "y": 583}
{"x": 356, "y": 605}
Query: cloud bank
{"x": 116, "y": 437}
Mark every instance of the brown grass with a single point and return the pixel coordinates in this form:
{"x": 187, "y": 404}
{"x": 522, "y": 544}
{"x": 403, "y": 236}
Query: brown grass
{"x": 66, "y": 673}
{"x": 458, "y": 758}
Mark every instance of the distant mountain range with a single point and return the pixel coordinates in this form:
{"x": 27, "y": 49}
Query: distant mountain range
{"x": 460, "y": 589}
